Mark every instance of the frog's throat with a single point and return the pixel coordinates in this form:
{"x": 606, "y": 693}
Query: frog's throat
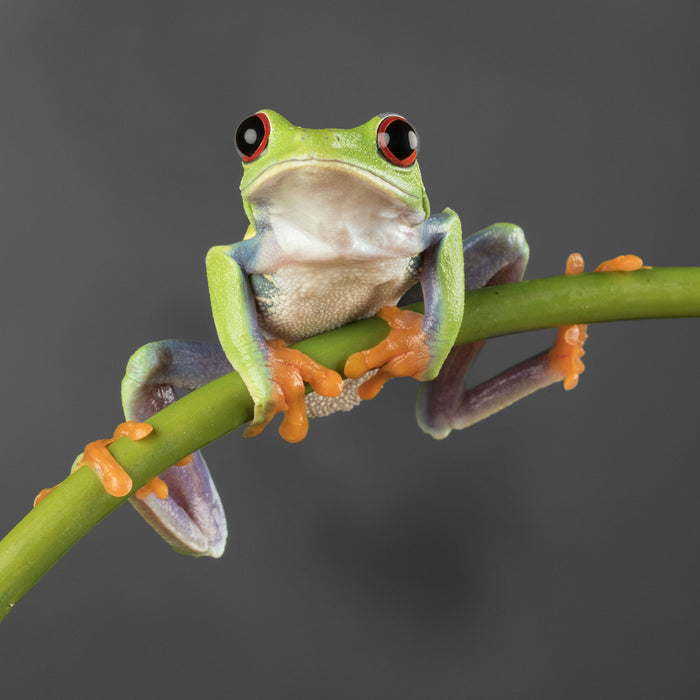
{"x": 330, "y": 164}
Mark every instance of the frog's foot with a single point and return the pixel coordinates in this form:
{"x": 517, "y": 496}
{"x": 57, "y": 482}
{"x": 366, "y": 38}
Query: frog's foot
{"x": 403, "y": 353}
{"x": 622, "y": 263}
{"x": 289, "y": 369}
{"x": 564, "y": 358}
{"x": 112, "y": 475}
{"x": 115, "y": 480}
{"x": 156, "y": 486}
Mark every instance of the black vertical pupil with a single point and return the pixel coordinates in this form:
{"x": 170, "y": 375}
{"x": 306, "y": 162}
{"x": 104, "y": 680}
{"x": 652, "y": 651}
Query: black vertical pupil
{"x": 250, "y": 134}
{"x": 402, "y": 139}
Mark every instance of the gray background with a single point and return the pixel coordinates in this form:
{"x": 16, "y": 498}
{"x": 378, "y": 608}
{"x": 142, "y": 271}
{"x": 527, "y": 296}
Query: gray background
{"x": 550, "y": 552}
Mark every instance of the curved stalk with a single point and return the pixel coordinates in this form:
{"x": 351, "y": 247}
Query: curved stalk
{"x": 80, "y": 502}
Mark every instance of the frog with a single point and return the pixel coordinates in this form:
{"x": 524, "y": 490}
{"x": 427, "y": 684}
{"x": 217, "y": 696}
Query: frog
{"x": 340, "y": 229}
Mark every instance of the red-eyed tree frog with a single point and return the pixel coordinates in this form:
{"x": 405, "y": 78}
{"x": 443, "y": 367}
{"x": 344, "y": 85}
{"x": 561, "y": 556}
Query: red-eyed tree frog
{"x": 340, "y": 229}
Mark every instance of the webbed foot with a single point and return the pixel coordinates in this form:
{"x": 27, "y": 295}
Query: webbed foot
{"x": 564, "y": 357}
{"x": 115, "y": 480}
{"x": 403, "y": 353}
{"x": 289, "y": 369}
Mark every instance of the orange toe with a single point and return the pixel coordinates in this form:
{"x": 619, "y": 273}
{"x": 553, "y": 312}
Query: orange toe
{"x": 622, "y": 263}
{"x": 157, "y": 486}
{"x": 403, "y": 353}
{"x": 566, "y": 353}
{"x": 574, "y": 264}
{"x": 115, "y": 480}
{"x": 289, "y": 369}
{"x": 372, "y": 386}
{"x": 133, "y": 430}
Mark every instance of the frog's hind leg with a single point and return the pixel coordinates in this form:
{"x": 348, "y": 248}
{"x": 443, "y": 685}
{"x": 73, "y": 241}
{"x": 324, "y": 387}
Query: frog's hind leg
{"x": 190, "y": 518}
{"x": 496, "y": 255}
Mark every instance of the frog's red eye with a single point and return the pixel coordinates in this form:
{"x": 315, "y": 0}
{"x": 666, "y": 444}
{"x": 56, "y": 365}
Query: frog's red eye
{"x": 397, "y": 141}
{"x": 252, "y": 135}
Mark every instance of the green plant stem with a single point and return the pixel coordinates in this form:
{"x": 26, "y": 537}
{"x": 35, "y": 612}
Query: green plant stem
{"x": 80, "y": 502}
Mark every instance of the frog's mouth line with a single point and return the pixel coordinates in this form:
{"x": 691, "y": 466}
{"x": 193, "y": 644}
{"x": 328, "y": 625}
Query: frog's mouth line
{"x": 331, "y": 164}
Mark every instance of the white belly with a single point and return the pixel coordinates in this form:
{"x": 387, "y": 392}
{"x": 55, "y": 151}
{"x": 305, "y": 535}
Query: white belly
{"x": 299, "y": 301}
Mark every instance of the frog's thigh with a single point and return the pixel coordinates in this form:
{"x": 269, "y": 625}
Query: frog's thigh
{"x": 496, "y": 255}
{"x": 191, "y": 519}
{"x": 157, "y": 369}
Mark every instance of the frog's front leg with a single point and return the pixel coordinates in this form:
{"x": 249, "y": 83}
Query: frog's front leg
{"x": 273, "y": 373}
{"x": 183, "y": 506}
{"x": 418, "y": 344}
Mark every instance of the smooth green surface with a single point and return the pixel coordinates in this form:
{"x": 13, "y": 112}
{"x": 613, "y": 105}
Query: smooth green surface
{"x": 79, "y": 503}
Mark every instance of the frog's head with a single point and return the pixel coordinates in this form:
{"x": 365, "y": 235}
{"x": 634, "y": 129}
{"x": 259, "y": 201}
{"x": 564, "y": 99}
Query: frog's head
{"x": 376, "y": 160}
